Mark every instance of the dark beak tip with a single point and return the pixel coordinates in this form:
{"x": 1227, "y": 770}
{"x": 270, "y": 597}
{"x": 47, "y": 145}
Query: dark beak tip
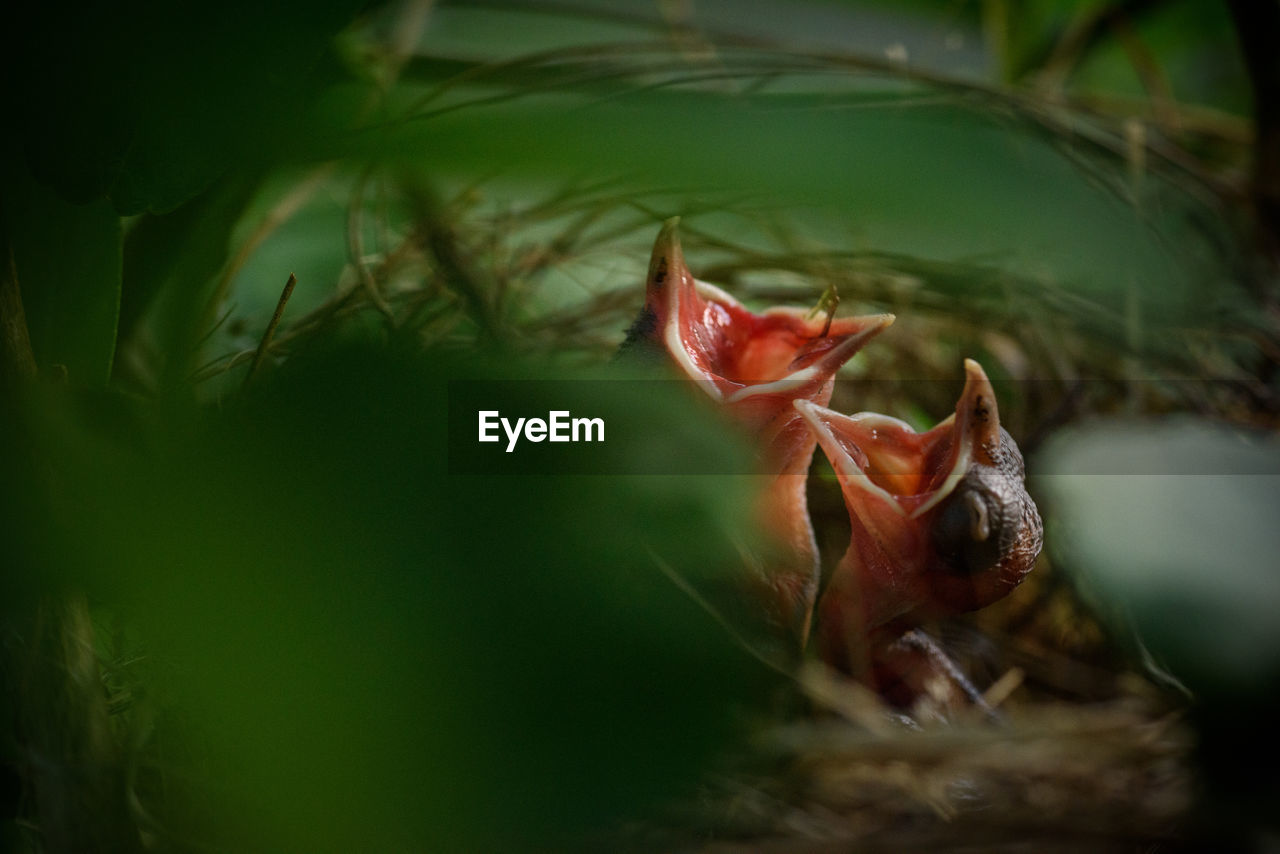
{"x": 669, "y": 237}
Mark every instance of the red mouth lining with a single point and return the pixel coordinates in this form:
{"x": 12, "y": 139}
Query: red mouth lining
{"x": 744, "y": 348}
{"x": 898, "y": 460}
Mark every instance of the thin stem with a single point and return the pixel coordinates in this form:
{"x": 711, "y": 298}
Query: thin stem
{"x": 355, "y": 249}
{"x": 282, "y": 212}
{"x": 271, "y": 327}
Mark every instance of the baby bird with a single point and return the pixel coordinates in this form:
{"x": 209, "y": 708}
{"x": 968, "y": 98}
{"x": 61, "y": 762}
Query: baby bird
{"x": 755, "y": 365}
{"x": 941, "y": 522}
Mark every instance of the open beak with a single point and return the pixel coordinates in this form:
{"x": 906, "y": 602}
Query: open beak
{"x": 941, "y": 521}
{"x": 757, "y": 365}
{"x": 883, "y": 463}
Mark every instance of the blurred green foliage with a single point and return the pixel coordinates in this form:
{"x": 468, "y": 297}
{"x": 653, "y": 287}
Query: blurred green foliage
{"x": 146, "y": 102}
{"x": 344, "y": 646}
{"x": 375, "y": 653}
{"x": 1169, "y": 525}
{"x": 68, "y": 259}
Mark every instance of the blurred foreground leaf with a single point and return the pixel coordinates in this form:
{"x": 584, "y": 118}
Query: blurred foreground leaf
{"x": 1135, "y": 260}
{"x": 1174, "y": 526}
{"x": 379, "y": 655}
{"x": 68, "y": 261}
{"x": 170, "y": 261}
{"x": 146, "y": 103}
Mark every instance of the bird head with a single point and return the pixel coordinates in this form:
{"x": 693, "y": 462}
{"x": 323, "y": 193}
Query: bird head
{"x": 755, "y": 364}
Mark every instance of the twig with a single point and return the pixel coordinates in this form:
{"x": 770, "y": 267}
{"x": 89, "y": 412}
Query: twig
{"x": 1085, "y": 34}
{"x": 1002, "y": 688}
{"x": 355, "y": 248}
{"x": 283, "y": 211}
{"x": 271, "y": 327}
{"x": 439, "y": 239}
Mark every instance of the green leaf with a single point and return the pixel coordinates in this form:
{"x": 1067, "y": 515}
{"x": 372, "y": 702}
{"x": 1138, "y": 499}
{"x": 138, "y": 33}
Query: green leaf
{"x": 380, "y": 655}
{"x": 68, "y": 262}
{"x": 1172, "y": 526}
{"x": 170, "y": 262}
{"x": 947, "y": 181}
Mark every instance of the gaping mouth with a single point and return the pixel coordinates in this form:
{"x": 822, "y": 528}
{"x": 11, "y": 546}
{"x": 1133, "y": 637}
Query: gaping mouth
{"x": 734, "y": 353}
{"x": 880, "y": 458}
